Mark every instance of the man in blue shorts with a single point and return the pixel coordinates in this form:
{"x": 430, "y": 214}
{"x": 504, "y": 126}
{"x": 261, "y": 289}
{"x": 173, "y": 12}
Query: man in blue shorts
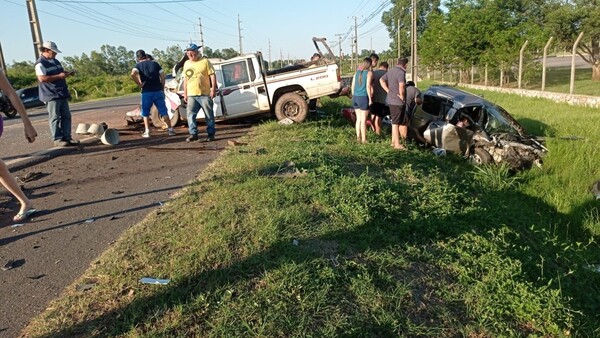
{"x": 149, "y": 76}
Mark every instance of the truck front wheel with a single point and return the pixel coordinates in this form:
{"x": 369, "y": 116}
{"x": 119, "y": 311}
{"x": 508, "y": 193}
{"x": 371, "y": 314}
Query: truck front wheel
{"x": 292, "y": 106}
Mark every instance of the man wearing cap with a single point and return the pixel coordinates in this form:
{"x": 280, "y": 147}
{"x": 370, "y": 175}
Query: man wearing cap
{"x": 199, "y": 88}
{"x": 55, "y": 94}
{"x": 149, "y": 76}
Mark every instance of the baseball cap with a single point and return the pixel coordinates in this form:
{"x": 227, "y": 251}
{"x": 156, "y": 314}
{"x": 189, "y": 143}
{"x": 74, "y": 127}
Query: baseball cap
{"x": 51, "y": 45}
{"x": 140, "y": 54}
{"x": 192, "y": 46}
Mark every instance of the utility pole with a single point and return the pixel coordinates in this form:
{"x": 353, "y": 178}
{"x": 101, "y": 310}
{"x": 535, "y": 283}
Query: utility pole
{"x": 352, "y": 55}
{"x": 398, "y": 37}
{"x": 201, "y": 37}
{"x": 269, "y": 52}
{"x": 2, "y": 62}
{"x": 356, "y": 38}
{"x": 240, "y": 34}
{"x": 413, "y": 52}
{"x": 36, "y": 32}
{"x": 340, "y": 44}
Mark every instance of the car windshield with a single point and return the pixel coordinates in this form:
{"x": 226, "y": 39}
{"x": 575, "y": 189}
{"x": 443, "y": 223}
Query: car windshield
{"x": 497, "y": 120}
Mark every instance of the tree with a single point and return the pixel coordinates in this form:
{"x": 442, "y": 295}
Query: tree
{"x": 169, "y": 57}
{"x": 402, "y": 11}
{"x": 477, "y": 32}
{"x": 21, "y": 74}
{"x": 568, "y": 18}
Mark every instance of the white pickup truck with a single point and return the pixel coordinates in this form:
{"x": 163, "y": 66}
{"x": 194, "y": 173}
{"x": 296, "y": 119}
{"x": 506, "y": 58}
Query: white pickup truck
{"x": 246, "y": 87}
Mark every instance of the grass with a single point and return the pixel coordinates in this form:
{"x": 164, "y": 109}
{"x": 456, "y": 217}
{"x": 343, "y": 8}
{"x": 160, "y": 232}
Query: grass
{"x": 362, "y": 241}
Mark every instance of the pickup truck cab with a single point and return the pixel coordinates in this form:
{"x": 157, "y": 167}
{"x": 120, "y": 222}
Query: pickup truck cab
{"x": 246, "y": 87}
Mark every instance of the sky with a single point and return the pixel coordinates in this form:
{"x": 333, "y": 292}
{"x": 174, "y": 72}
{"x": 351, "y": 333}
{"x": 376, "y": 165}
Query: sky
{"x": 281, "y": 29}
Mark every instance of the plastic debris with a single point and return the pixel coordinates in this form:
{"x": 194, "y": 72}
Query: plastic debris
{"x": 89, "y": 220}
{"x": 150, "y": 280}
{"x": 295, "y": 242}
{"x": 17, "y": 225}
{"x": 439, "y": 151}
{"x": 286, "y": 121}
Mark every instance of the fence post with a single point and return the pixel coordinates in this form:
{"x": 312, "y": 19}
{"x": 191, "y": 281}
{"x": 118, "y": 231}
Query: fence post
{"x": 544, "y": 62}
{"x": 472, "y": 72}
{"x": 521, "y": 63}
{"x": 572, "y": 86}
{"x": 486, "y": 73}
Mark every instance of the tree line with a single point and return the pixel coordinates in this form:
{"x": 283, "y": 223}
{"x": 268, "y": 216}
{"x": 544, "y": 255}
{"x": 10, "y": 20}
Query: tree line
{"x": 463, "y": 33}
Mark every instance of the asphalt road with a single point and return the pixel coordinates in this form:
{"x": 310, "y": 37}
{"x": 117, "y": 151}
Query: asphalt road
{"x": 86, "y": 198}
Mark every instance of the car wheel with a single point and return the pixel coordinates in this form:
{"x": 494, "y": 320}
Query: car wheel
{"x": 481, "y": 156}
{"x": 292, "y": 106}
{"x": 12, "y": 112}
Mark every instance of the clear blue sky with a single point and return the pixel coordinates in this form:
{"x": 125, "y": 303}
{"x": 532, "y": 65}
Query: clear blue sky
{"x": 281, "y": 28}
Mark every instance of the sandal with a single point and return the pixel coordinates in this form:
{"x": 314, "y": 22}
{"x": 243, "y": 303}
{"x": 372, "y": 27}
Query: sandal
{"x": 21, "y": 217}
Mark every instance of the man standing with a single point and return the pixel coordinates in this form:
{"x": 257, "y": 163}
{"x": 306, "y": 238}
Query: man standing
{"x": 149, "y": 76}
{"x": 379, "y": 109}
{"x": 413, "y": 98}
{"x": 394, "y": 83}
{"x": 55, "y": 94}
{"x": 199, "y": 88}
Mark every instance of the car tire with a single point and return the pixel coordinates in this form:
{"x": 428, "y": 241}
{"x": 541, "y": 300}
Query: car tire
{"x": 11, "y": 113}
{"x": 292, "y": 106}
{"x": 481, "y": 156}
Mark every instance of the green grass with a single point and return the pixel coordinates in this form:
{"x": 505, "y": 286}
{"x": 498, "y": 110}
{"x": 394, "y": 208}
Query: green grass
{"x": 365, "y": 241}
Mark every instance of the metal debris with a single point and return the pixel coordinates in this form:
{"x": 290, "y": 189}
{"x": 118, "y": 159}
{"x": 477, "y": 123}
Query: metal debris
{"x": 150, "y": 280}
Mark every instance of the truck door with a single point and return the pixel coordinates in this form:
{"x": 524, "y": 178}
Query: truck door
{"x": 239, "y": 93}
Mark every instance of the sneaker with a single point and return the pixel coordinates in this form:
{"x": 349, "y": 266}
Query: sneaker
{"x": 171, "y": 132}
{"x": 191, "y": 138}
{"x": 72, "y": 142}
{"x": 146, "y": 134}
{"x": 60, "y": 143}
{"x": 210, "y": 138}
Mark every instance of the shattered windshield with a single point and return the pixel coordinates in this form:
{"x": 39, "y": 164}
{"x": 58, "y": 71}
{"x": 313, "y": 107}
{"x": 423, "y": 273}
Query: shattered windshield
{"x": 497, "y": 120}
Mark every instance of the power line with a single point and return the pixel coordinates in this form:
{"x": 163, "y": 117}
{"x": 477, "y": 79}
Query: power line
{"x": 97, "y": 2}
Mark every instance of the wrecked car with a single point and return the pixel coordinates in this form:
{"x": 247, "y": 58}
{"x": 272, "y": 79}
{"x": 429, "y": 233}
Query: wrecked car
{"x": 466, "y": 124}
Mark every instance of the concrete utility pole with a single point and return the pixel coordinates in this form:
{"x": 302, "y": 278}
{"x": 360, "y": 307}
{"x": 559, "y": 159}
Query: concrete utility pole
{"x": 36, "y": 32}
{"x": 240, "y": 34}
{"x": 356, "y": 39}
{"x": 269, "y": 51}
{"x": 413, "y": 52}
{"x": 2, "y": 62}
{"x": 340, "y": 44}
{"x": 201, "y": 36}
{"x": 398, "y": 37}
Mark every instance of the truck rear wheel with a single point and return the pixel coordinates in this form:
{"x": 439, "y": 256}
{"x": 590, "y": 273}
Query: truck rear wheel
{"x": 292, "y": 106}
